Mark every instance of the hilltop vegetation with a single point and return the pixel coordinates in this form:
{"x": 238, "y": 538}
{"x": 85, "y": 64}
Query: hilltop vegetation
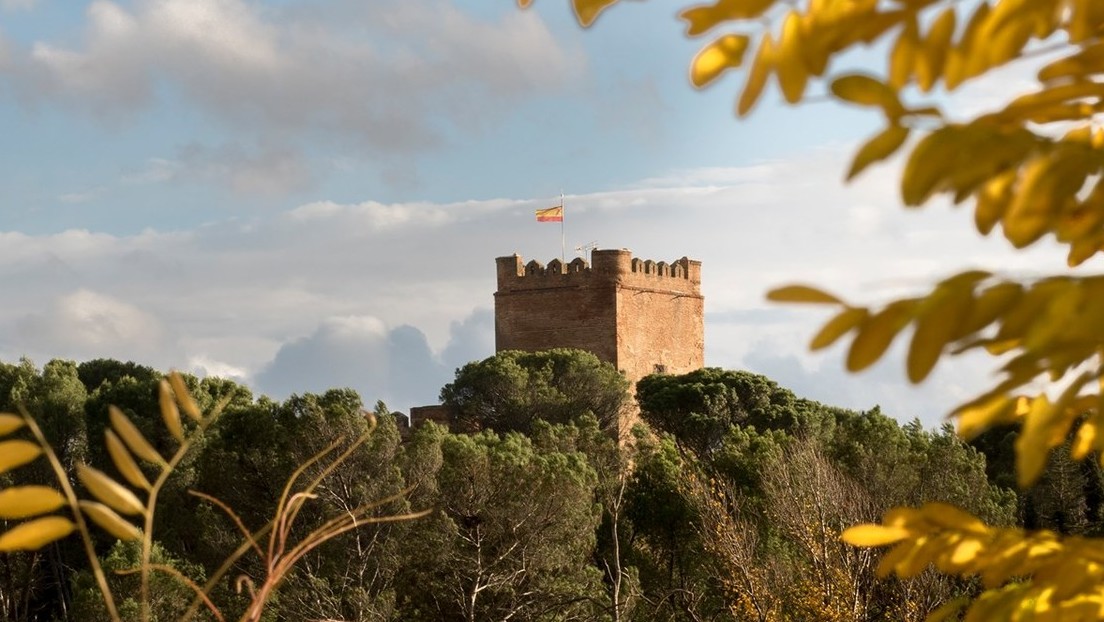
{"x": 732, "y": 509}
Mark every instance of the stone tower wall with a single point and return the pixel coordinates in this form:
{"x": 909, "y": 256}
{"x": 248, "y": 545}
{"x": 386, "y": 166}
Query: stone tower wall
{"x": 641, "y": 316}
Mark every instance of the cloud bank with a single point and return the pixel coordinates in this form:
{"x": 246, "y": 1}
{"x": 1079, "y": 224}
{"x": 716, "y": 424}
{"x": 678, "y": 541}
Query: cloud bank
{"x": 390, "y": 298}
{"x": 388, "y": 75}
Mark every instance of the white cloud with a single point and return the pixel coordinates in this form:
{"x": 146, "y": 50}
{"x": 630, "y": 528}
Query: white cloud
{"x": 387, "y": 75}
{"x": 372, "y": 216}
{"x": 713, "y": 176}
{"x": 88, "y": 324}
{"x": 269, "y": 170}
{"x": 204, "y": 366}
{"x": 394, "y": 365}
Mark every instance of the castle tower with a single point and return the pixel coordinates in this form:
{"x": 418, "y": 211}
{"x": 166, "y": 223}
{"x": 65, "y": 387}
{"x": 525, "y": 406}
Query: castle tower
{"x": 642, "y": 316}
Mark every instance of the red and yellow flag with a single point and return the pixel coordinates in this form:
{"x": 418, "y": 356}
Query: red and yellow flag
{"x": 550, "y": 214}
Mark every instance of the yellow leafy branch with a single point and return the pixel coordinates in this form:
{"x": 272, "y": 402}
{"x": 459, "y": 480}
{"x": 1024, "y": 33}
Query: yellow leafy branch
{"x": 1039, "y": 573}
{"x": 1048, "y": 329}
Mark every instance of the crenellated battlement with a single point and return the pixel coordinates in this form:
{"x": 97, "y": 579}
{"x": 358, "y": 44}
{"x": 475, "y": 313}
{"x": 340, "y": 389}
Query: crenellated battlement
{"x": 606, "y": 267}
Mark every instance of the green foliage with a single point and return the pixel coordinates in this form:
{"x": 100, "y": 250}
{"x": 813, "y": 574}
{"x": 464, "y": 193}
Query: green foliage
{"x": 701, "y": 407}
{"x": 514, "y": 535}
{"x": 768, "y": 495}
{"x": 125, "y": 509}
{"x": 510, "y": 390}
{"x": 553, "y": 526}
{"x": 170, "y": 597}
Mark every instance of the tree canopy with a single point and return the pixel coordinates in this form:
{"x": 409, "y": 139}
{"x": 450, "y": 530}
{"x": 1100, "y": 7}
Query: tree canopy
{"x": 512, "y": 389}
{"x": 547, "y": 526}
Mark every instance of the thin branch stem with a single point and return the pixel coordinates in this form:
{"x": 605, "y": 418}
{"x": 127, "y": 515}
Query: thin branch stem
{"x": 169, "y": 570}
{"x": 78, "y": 516}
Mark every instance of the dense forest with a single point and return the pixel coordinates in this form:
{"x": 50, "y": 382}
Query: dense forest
{"x": 726, "y": 504}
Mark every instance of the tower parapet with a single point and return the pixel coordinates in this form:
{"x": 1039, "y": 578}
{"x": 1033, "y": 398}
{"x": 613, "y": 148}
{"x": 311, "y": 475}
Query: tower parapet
{"x": 607, "y": 267}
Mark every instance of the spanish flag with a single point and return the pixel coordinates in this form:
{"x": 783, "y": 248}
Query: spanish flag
{"x": 551, "y": 214}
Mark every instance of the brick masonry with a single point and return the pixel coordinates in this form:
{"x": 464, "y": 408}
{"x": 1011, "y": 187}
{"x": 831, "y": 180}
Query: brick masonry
{"x": 641, "y": 316}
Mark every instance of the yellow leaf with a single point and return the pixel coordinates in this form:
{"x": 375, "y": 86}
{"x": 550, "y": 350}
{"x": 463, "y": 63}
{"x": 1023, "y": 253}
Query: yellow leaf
{"x": 975, "y": 418}
{"x": 958, "y": 67}
{"x": 893, "y": 557}
{"x": 921, "y": 555}
{"x": 993, "y": 200}
{"x": 724, "y": 53}
{"x": 1086, "y": 439}
{"x": 838, "y": 326}
{"x": 1019, "y": 317}
{"x": 905, "y": 517}
{"x": 33, "y": 535}
{"x": 126, "y": 465}
{"x": 990, "y": 304}
{"x": 883, "y": 145}
{"x": 1024, "y": 105}
{"x": 998, "y": 347}
{"x": 1083, "y": 221}
{"x": 942, "y": 559}
{"x": 1057, "y": 315}
{"x": 929, "y": 164}
{"x": 950, "y": 517}
{"x": 1072, "y": 579}
{"x": 109, "y": 491}
{"x": 874, "y": 25}
{"x": 1082, "y": 134}
{"x": 700, "y": 19}
{"x": 1031, "y": 450}
{"x": 873, "y": 535}
{"x": 524, "y": 3}
{"x": 792, "y": 75}
{"x": 1039, "y": 197}
{"x": 1006, "y": 42}
{"x": 109, "y": 521}
{"x": 757, "y": 75}
{"x": 587, "y": 10}
{"x": 877, "y": 333}
{"x": 933, "y": 53}
{"x": 1002, "y": 566}
{"x": 184, "y": 397}
{"x": 1085, "y": 20}
{"x": 15, "y": 454}
{"x": 865, "y": 91}
{"x": 9, "y": 423}
{"x": 903, "y": 56}
{"x": 1082, "y": 249}
{"x": 965, "y": 552}
{"x": 25, "y": 501}
{"x": 981, "y": 153}
{"x": 134, "y": 439}
{"x": 802, "y": 293}
{"x": 936, "y": 326}
{"x": 169, "y": 411}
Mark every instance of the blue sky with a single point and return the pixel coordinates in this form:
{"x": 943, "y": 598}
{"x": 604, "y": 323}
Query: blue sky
{"x": 301, "y": 194}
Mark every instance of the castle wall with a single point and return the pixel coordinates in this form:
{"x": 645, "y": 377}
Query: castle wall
{"x": 642, "y": 316}
{"x": 539, "y": 308}
{"x": 659, "y": 331}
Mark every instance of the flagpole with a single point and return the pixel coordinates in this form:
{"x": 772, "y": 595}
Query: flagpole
{"x": 563, "y": 245}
